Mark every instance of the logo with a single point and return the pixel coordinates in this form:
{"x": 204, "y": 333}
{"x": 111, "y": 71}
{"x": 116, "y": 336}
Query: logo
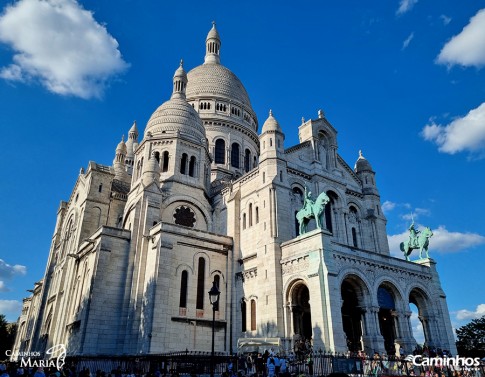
{"x": 55, "y": 357}
{"x": 457, "y": 361}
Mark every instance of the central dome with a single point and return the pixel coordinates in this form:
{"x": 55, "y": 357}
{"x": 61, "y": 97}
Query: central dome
{"x": 216, "y": 80}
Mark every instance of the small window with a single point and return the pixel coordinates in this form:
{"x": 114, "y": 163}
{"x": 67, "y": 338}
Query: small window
{"x": 183, "y": 164}
{"x": 354, "y": 237}
{"x": 253, "y": 315}
{"x": 220, "y": 152}
{"x": 100, "y": 187}
{"x": 257, "y": 215}
{"x": 192, "y": 166}
{"x": 165, "y": 162}
{"x": 250, "y": 214}
{"x": 183, "y": 289}
{"x": 243, "y": 316}
{"x": 235, "y": 155}
{"x": 200, "y": 284}
{"x": 244, "y": 221}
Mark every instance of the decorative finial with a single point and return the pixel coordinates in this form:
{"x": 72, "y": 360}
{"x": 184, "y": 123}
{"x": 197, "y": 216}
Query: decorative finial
{"x": 123, "y": 138}
{"x": 321, "y": 114}
{"x": 213, "y": 24}
{"x": 270, "y": 112}
{"x": 302, "y": 120}
{"x": 182, "y": 62}
{"x": 360, "y": 153}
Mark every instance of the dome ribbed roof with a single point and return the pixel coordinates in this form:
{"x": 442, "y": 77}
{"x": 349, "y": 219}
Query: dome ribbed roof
{"x": 176, "y": 115}
{"x": 121, "y": 147}
{"x": 271, "y": 124}
{"x": 215, "y": 80}
{"x": 362, "y": 164}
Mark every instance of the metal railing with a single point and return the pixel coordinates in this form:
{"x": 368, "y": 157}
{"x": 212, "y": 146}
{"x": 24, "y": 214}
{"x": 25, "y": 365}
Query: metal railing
{"x": 188, "y": 363}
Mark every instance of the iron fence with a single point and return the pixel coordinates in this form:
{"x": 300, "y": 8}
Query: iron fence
{"x": 316, "y": 364}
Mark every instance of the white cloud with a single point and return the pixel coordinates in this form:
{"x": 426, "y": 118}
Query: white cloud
{"x": 468, "y": 47}
{"x": 388, "y": 206}
{"x": 467, "y": 314}
{"x": 8, "y": 271}
{"x": 446, "y": 241}
{"x": 63, "y": 47}
{"x": 462, "y": 134}
{"x": 407, "y": 41}
{"x": 405, "y": 6}
{"x": 446, "y": 20}
{"x": 10, "y": 308}
{"x": 442, "y": 241}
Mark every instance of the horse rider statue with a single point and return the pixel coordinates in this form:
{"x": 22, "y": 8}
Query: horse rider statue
{"x": 413, "y": 235}
{"x": 307, "y": 199}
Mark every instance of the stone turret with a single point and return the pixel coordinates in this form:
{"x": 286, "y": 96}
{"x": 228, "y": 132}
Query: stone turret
{"x": 119, "y": 162}
{"x": 213, "y": 46}
{"x": 131, "y": 145}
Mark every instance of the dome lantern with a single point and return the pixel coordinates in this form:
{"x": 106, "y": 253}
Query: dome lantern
{"x": 212, "y": 46}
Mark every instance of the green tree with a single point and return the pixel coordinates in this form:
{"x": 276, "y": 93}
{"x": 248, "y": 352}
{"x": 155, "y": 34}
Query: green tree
{"x": 7, "y": 336}
{"x": 471, "y": 339}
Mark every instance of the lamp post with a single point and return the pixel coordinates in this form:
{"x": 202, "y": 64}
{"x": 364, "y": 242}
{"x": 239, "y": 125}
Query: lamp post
{"x": 214, "y": 299}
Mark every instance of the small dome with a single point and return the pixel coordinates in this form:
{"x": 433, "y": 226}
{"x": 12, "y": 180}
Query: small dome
{"x": 362, "y": 164}
{"x": 271, "y": 124}
{"x": 176, "y": 116}
{"x": 121, "y": 147}
{"x": 213, "y": 33}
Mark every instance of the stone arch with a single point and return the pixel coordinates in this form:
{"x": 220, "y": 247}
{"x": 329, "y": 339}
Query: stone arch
{"x": 355, "y": 299}
{"x": 389, "y": 300}
{"x": 421, "y": 299}
{"x": 298, "y": 297}
{"x": 181, "y": 267}
{"x": 218, "y": 272}
{"x": 174, "y": 199}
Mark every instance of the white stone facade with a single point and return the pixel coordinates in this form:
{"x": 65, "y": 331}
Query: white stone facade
{"x": 202, "y": 198}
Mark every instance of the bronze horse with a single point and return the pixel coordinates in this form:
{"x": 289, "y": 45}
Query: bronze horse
{"x": 312, "y": 211}
{"x": 421, "y": 244}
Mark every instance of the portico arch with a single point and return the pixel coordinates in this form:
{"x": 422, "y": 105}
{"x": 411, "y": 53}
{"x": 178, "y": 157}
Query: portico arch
{"x": 388, "y": 300}
{"x": 354, "y": 295}
{"x": 298, "y": 297}
{"x": 420, "y": 299}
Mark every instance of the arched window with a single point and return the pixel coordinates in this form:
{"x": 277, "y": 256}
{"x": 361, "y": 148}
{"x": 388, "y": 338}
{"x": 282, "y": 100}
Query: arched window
{"x": 297, "y": 225}
{"x": 200, "y": 284}
{"x": 220, "y": 152}
{"x": 257, "y": 215}
{"x": 250, "y": 214}
{"x": 281, "y": 175}
{"x": 157, "y": 156}
{"x": 247, "y": 160}
{"x": 183, "y": 289}
{"x": 254, "y": 162}
{"x": 244, "y": 221}
{"x": 329, "y": 221}
{"x": 183, "y": 164}
{"x": 253, "y": 315}
{"x": 235, "y": 155}
{"x": 354, "y": 237}
{"x": 192, "y": 166}
{"x": 217, "y": 279}
{"x": 243, "y": 315}
{"x": 165, "y": 162}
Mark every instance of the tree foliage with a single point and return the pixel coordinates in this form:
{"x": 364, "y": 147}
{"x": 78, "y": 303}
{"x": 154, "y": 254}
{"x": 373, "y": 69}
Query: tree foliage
{"x": 7, "y": 336}
{"x": 471, "y": 339}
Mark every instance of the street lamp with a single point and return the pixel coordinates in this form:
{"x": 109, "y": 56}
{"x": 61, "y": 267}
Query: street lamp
{"x": 214, "y": 299}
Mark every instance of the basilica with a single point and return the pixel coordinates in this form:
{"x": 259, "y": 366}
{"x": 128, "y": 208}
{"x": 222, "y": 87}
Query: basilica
{"x": 205, "y": 197}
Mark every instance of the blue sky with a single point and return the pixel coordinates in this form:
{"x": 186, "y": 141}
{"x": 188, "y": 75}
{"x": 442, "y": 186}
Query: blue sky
{"x": 401, "y": 80}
